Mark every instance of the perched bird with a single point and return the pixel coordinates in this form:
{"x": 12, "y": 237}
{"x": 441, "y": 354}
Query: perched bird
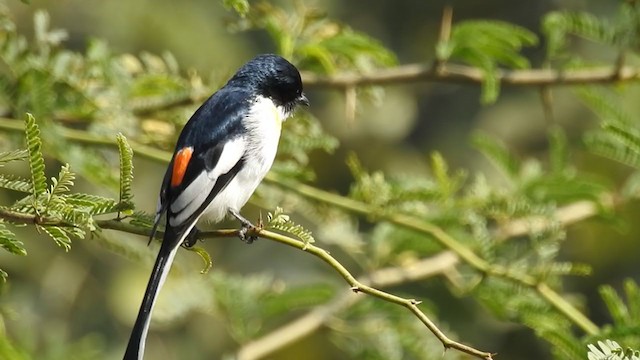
{"x": 222, "y": 154}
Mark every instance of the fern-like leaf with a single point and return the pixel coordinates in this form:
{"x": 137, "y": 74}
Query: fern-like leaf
{"x": 619, "y": 141}
{"x": 607, "y": 146}
{"x": 632, "y": 293}
{"x": 93, "y": 204}
{"x": 15, "y": 183}
{"x": 9, "y": 242}
{"x": 628, "y": 135}
{"x": 615, "y": 304}
{"x": 605, "y": 104}
{"x": 278, "y": 220}
{"x": 59, "y": 235}
{"x": 497, "y": 153}
{"x": 14, "y": 155}
{"x": 36, "y": 159}
{"x": 126, "y": 171}
{"x": 486, "y": 45}
{"x": 142, "y": 219}
{"x": 63, "y": 183}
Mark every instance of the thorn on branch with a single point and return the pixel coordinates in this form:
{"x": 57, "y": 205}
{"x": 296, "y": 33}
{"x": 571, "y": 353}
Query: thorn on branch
{"x": 415, "y": 302}
{"x": 355, "y": 289}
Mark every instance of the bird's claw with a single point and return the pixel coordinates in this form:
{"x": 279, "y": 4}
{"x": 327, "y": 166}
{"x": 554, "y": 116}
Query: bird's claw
{"x": 191, "y": 239}
{"x": 242, "y": 233}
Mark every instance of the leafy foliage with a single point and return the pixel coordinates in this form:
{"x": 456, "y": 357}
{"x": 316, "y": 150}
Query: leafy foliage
{"x": 314, "y": 41}
{"x": 278, "y": 220}
{"x": 620, "y": 32}
{"x": 9, "y": 242}
{"x": 14, "y": 155}
{"x": 126, "y": 172}
{"x": 54, "y": 210}
{"x": 36, "y": 160}
{"x": 487, "y": 45}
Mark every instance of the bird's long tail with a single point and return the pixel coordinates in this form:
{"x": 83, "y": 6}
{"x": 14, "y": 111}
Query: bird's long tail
{"x": 168, "y": 250}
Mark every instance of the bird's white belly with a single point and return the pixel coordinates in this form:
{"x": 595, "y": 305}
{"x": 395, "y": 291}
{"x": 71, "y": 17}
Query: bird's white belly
{"x": 263, "y": 134}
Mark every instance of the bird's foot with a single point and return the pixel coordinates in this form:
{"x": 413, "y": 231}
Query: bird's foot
{"x": 244, "y": 229}
{"x": 192, "y": 238}
{"x": 246, "y": 226}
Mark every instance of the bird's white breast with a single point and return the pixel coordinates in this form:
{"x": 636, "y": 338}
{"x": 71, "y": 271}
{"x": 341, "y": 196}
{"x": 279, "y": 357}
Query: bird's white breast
{"x": 263, "y": 124}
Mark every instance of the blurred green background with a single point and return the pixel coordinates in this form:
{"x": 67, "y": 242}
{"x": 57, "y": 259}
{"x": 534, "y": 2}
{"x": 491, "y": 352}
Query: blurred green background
{"x": 87, "y": 298}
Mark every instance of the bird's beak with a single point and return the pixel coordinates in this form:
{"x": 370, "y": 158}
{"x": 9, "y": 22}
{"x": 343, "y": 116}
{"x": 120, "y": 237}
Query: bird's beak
{"x": 302, "y": 100}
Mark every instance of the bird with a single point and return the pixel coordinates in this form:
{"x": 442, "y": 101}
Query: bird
{"x": 222, "y": 154}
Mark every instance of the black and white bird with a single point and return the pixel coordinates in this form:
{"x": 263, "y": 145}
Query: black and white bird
{"x": 222, "y": 154}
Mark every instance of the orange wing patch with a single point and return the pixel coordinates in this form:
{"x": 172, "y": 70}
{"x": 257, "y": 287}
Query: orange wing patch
{"x": 180, "y": 162}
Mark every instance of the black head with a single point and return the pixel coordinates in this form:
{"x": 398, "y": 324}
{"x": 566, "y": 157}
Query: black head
{"x": 273, "y": 77}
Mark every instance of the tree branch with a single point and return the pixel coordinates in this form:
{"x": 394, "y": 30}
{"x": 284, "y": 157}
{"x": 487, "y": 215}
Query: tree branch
{"x": 356, "y": 286}
{"x": 456, "y": 73}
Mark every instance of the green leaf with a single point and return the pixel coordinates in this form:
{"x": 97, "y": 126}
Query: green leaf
{"x": 241, "y": 7}
{"x": 142, "y": 219}
{"x": 59, "y": 235}
{"x": 486, "y": 45}
{"x": 9, "y": 242}
{"x": 93, "y": 204}
{"x": 36, "y": 159}
{"x": 63, "y": 183}
{"x": 619, "y": 141}
{"x": 620, "y": 32}
{"x": 615, "y": 305}
{"x": 447, "y": 184}
{"x": 205, "y": 256}
{"x": 126, "y": 170}
{"x": 497, "y": 153}
{"x": 14, "y": 155}
{"x": 15, "y": 183}
{"x": 632, "y": 293}
{"x": 278, "y": 220}
{"x": 311, "y": 40}
{"x": 605, "y": 104}
{"x": 609, "y": 147}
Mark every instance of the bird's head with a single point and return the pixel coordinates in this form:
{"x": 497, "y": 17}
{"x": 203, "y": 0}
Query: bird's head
{"x": 275, "y": 78}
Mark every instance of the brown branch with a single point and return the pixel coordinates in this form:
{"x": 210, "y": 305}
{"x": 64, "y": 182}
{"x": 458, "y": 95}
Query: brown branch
{"x": 465, "y": 74}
